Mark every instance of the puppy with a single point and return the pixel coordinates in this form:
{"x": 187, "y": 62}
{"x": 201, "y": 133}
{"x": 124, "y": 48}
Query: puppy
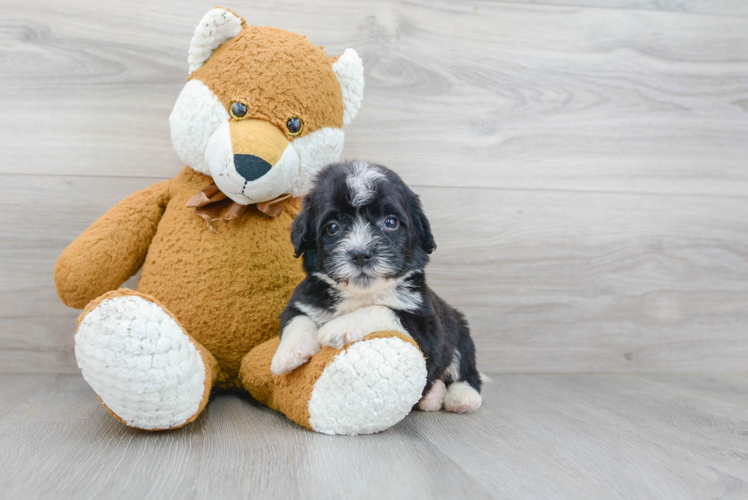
{"x": 366, "y": 242}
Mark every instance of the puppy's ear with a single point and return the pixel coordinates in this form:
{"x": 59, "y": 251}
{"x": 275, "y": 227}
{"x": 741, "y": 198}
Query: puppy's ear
{"x": 301, "y": 233}
{"x": 422, "y": 226}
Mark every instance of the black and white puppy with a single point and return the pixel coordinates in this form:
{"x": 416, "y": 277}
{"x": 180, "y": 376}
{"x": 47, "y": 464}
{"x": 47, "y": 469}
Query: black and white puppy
{"x": 366, "y": 242}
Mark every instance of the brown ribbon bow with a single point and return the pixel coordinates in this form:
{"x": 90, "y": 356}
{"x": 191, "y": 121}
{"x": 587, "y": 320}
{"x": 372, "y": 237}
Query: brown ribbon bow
{"x": 212, "y": 194}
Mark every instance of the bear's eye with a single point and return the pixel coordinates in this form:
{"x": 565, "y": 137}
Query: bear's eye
{"x": 333, "y": 228}
{"x": 391, "y": 223}
{"x": 238, "y": 110}
{"x": 295, "y": 125}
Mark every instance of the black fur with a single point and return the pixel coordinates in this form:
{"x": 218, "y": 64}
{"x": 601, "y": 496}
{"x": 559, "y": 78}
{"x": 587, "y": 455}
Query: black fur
{"x": 399, "y": 254}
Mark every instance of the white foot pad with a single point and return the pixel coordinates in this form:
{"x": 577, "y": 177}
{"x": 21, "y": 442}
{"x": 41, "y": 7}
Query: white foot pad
{"x": 140, "y": 363}
{"x": 462, "y": 398}
{"x": 368, "y": 388}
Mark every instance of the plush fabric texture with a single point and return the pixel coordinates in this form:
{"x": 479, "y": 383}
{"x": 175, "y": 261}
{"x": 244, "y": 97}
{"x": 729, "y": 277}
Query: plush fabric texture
{"x": 369, "y": 387}
{"x": 128, "y": 336}
{"x": 321, "y": 147}
{"x": 362, "y": 388}
{"x": 216, "y": 27}
{"x": 277, "y": 75}
{"x": 112, "y": 249}
{"x": 197, "y": 114}
{"x": 227, "y": 290}
{"x": 207, "y": 307}
{"x": 349, "y": 68}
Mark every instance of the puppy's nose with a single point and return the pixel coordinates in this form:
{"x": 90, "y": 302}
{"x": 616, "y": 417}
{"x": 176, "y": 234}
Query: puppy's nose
{"x": 362, "y": 257}
{"x": 251, "y": 167}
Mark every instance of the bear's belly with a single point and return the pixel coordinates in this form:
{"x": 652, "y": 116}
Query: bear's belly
{"x": 228, "y": 289}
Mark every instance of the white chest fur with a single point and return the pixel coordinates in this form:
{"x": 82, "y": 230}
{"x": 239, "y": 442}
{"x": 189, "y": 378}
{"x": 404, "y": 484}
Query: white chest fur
{"x": 392, "y": 293}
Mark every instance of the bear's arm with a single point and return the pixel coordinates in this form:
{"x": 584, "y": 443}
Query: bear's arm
{"x": 112, "y": 249}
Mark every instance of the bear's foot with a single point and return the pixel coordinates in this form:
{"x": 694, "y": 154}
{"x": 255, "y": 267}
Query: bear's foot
{"x": 365, "y": 387}
{"x": 145, "y": 369}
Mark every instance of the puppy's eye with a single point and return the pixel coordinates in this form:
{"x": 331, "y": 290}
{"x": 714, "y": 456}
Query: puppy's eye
{"x": 391, "y": 223}
{"x": 295, "y": 126}
{"x": 238, "y": 110}
{"x": 333, "y": 228}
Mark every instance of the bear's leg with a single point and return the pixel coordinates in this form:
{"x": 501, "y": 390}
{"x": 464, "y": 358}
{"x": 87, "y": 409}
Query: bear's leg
{"x": 365, "y": 387}
{"x": 147, "y": 371}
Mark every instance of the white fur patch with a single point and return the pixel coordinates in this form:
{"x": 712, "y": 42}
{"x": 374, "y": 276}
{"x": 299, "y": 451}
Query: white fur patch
{"x": 392, "y": 293}
{"x": 298, "y": 343}
{"x": 453, "y": 370}
{"x": 325, "y": 278}
{"x": 140, "y": 363}
{"x": 219, "y": 156}
{"x": 359, "y": 238}
{"x": 367, "y": 388}
{"x": 195, "y": 117}
{"x": 462, "y": 398}
{"x": 434, "y": 399}
{"x": 358, "y": 324}
{"x": 316, "y": 150}
{"x": 349, "y": 68}
{"x": 360, "y": 181}
{"x": 216, "y": 27}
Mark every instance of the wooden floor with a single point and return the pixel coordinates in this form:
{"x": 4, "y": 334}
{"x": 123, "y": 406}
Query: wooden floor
{"x": 537, "y": 436}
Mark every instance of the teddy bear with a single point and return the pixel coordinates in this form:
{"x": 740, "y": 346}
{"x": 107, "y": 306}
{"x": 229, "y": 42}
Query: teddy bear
{"x": 261, "y": 113}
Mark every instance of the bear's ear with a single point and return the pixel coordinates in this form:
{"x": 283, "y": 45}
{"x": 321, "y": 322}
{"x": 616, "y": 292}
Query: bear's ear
{"x": 349, "y": 68}
{"x": 216, "y": 27}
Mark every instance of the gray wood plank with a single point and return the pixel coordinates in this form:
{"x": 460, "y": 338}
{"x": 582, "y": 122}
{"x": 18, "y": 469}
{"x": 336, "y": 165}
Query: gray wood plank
{"x": 536, "y": 436}
{"x": 16, "y": 388}
{"x": 715, "y": 7}
{"x": 726, "y": 387}
{"x": 550, "y": 281}
{"x": 511, "y": 95}
{"x": 236, "y": 449}
{"x": 599, "y": 436}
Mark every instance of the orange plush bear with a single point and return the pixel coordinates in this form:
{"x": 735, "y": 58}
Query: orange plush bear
{"x": 261, "y": 113}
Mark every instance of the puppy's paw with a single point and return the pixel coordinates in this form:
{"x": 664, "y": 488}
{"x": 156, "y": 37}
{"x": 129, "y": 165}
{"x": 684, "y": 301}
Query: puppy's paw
{"x": 434, "y": 399}
{"x": 462, "y": 398}
{"x": 293, "y": 353}
{"x": 341, "y": 331}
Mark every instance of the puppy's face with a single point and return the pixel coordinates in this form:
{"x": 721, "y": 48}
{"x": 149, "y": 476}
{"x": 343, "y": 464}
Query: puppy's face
{"x": 361, "y": 224}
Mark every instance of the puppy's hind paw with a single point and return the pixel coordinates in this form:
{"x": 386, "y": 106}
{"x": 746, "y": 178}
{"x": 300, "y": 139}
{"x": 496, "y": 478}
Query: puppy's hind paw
{"x": 462, "y": 398}
{"x": 434, "y": 399}
{"x": 292, "y": 354}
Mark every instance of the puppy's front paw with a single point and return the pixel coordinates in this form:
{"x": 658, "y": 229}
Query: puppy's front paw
{"x": 292, "y": 354}
{"x": 340, "y": 332}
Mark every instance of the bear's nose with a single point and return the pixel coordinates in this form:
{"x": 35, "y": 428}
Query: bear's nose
{"x": 251, "y": 167}
{"x": 362, "y": 257}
